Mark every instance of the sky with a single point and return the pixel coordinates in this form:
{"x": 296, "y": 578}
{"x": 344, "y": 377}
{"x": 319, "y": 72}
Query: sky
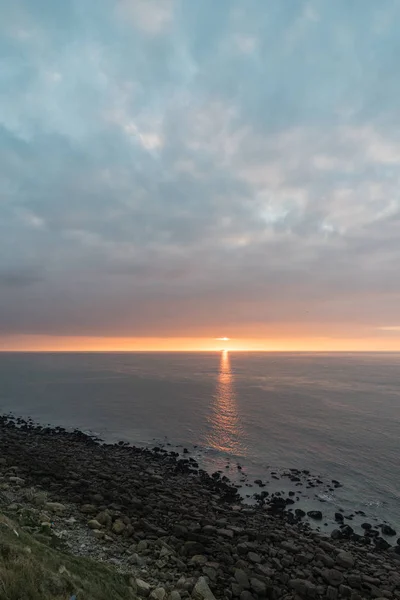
{"x": 174, "y": 171}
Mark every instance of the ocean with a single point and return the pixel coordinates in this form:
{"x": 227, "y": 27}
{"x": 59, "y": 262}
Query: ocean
{"x": 336, "y": 415}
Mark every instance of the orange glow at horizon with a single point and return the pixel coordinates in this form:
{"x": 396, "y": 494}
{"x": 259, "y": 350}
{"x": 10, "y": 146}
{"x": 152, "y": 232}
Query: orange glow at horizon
{"x": 32, "y": 343}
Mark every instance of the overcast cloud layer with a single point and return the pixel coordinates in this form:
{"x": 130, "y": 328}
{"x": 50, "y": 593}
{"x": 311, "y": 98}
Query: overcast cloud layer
{"x": 199, "y": 167}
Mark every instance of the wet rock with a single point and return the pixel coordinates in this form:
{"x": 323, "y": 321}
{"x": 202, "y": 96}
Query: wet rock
{"x": 381, "y": 544}
{"x": 315, "y": 514}
{"x": 387, "y": 530}
{"x": 339, "y": 517}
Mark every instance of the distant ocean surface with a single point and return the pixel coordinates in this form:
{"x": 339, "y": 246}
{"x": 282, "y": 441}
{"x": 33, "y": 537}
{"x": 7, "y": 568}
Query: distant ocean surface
{"x": 337, "y": 415}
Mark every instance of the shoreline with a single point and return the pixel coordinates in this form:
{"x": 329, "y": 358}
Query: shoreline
{"x": 170, "y": 523}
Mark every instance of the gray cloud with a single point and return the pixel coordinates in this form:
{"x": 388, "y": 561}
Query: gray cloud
{"x": 200, "y": 173}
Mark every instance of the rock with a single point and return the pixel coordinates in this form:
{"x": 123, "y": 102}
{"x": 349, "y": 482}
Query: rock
{"x": 89, "y": 509}
{"x": 290, "y": 547}
{"x": 227, "y": 533}
{"x": 245, "y": 595}
{"x": 258, "y": 586}
{"x": 333, "y": 577}
{"x": 381, "y": 544}
{"x": 93, "y": 524}
{"x": 191, "y": 548}
{"x": 327, "y": 546}
{"x": 242, "y": 579}
{"x": 143, "y": 588}
{"x": 118, "y": 527}
{"x": 315, "y": 514}
{"x": 174, "y": 595}
{"x": 254, "y": 558}
{"x": 299, "y": 586}
{"x": 387, "y": 530}
{"x": 265, "y": 570}
{"x": 16, "y": 480}
{"x": 331, "y": 593}
{"x": 335, "y": 534}
{"x": 180, "y": 531}
{"x": 339, "y": 517}
{"x": 164, "y": 551}
{"x": 366, "y": 526}
{"x": 158, "y": 594}
{"x": 201, "y": 590}
{"x": 142, "y": 546}
{"x": 345, "y": 559}
{"x": 198, "y": 559}
{"x": 299, "y": 513}
{"x": 104, "y": 518}
{"x": 55, "y": 507}
{"x": 210, "y": 572}
{"x": 98, "y": 534}
{"x": 345, "y": 591}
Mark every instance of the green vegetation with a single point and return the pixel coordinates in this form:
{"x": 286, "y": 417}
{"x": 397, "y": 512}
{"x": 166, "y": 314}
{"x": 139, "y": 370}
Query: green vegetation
{"x": 35, "y": 570}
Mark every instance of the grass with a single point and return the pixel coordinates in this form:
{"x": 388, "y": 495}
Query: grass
{"x": 33, "y": 570}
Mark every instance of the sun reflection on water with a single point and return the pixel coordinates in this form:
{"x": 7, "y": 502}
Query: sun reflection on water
{"x": 226, "y": 433}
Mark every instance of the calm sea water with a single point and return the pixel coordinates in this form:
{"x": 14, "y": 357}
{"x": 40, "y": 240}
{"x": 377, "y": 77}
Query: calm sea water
{"x": 337, "y": 415}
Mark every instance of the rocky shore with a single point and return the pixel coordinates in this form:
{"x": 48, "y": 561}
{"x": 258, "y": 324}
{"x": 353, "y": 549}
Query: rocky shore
{"x": 177, "y": 531}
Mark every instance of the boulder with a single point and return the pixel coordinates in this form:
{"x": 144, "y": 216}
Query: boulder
{"x": 387, "y": 530}
{"x": 315, "y": 514}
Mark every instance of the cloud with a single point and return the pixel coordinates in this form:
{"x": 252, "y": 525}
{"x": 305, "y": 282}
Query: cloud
{"x": 185, "y": 167}
{"x": 152, "y": 16}
{"x": 19, "y": 277}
